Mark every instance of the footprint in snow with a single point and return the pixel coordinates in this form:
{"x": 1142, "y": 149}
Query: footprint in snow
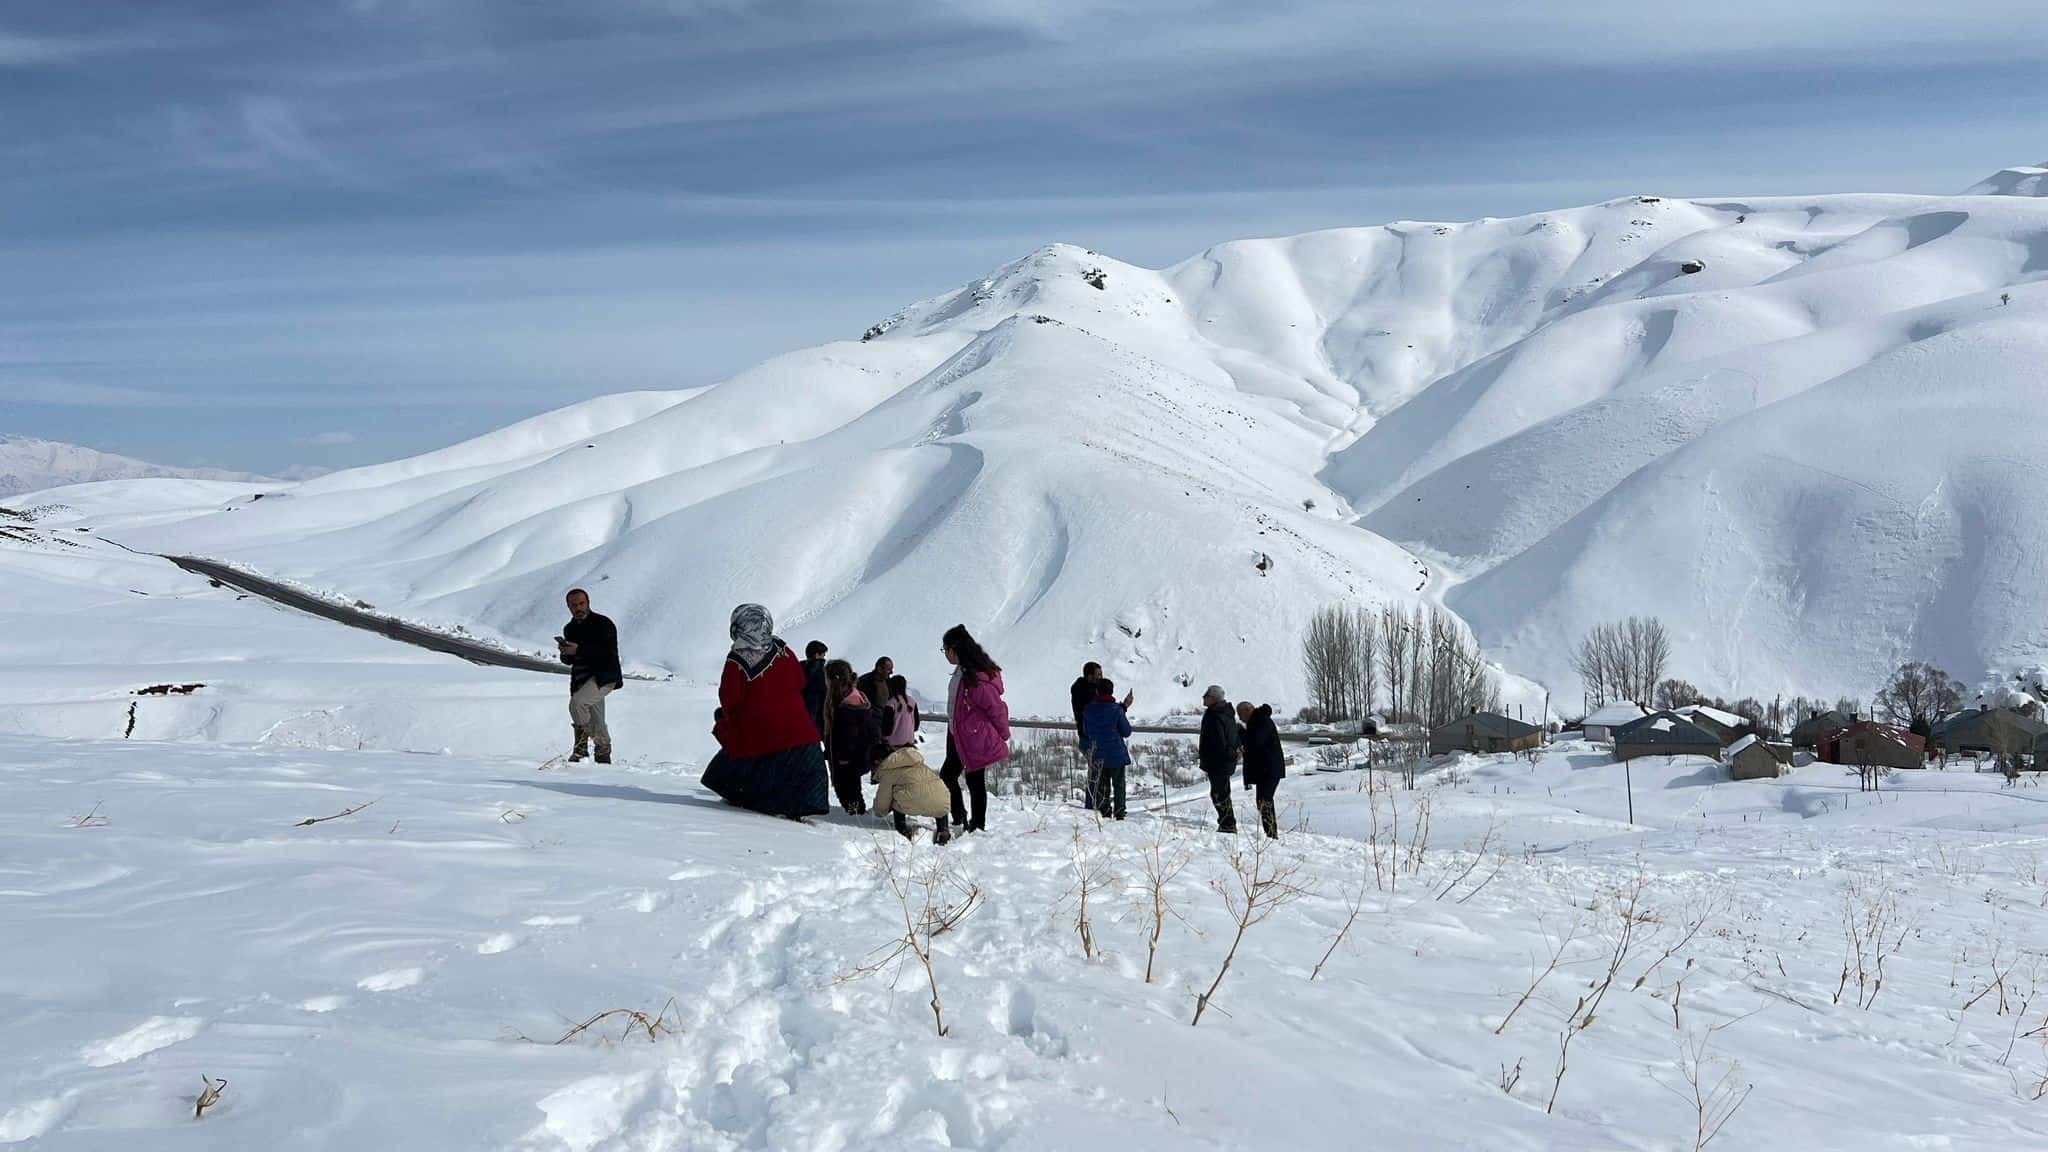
{"x": 393, "y": 980}
{"x": 502, "y": 942}
{"x": 646, "y": 901}
{"x": 146, "y": 1037}
{"x": 35, "y": 1118}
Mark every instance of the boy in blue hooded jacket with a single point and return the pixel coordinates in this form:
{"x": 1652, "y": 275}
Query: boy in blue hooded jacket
{"x": 1104, "y": 728}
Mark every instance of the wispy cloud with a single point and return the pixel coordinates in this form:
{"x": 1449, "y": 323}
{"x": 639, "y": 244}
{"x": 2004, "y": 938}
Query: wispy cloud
{"x": 476, "y": 207}
{"x": 20, "y": 51}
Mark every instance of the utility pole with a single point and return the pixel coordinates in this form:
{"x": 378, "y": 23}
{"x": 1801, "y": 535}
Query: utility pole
{"x": 1628, "y": 780}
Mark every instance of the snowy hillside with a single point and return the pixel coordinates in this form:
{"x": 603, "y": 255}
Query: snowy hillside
{"x": 28, "y": 465}
{"x": 1802, "y": 430}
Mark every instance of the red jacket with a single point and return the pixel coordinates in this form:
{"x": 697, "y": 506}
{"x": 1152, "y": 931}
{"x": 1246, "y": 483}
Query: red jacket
{"x": 764, "y": 713}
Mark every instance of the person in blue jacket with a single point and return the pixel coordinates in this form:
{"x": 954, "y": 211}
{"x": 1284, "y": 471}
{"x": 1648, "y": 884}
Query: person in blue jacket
{"x": 1104, "y": 728}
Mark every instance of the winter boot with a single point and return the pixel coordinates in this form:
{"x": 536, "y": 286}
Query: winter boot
{"x": 604, "y": 754}
{"x": 582, "y": 751}
{"x": 942, "y": 834}
{"x": 903, "y": 827}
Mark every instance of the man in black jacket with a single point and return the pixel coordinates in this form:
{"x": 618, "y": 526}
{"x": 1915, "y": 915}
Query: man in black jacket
{"x": 1083, "y": 690}
{"x": 875, "y": 685}
{"x": 1219, "y": 753}
{"x": 814, "y": 684}
{"x": 1265, "y": 763}
{"x": 589, "y": 645}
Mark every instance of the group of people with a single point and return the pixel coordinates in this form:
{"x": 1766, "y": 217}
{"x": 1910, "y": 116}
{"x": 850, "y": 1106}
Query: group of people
{"x": 1231, "y": 735}
{"x": 787, "y": 727}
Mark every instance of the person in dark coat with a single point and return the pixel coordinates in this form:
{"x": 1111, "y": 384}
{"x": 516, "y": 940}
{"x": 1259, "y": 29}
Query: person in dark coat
{"x": 589, "y": 645}
{"x": 814, "y": 682}
{"x": 853, "y": 741}
{"x": 769, "y": 757}
{"x": 1104, "y": 730}
{"x": 1218, "y": 753}
{"x": 1265, "y": 762}
{"x": 1082, "y": 693}
{"x": 875, "y": 684}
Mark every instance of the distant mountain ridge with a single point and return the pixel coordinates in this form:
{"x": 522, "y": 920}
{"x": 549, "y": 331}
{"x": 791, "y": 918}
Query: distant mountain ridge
{"x": 30, "y": 465}
{"x": 1804, "y": 431}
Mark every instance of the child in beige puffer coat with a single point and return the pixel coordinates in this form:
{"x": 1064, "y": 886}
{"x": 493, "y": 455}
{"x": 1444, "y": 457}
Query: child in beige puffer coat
{"x": 906, "y": 786}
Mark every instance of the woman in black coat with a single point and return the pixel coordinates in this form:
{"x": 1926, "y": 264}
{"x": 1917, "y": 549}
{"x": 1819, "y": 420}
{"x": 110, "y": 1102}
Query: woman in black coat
{"x": 1265, "y": 763}
{"x": 853, "y": 740}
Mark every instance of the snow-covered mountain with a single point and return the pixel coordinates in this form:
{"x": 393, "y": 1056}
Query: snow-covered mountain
{"x": 1803, "y": 430}
{"x": 29, "y": 465}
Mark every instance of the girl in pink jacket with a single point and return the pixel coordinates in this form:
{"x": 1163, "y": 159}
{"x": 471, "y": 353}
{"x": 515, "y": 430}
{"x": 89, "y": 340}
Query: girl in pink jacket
{"x": 978, "y": 733}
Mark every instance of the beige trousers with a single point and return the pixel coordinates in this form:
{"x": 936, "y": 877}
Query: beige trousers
{"x": 586, "y": 712}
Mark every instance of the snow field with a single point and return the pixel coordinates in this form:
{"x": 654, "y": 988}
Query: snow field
{"x": 397, "y": 977}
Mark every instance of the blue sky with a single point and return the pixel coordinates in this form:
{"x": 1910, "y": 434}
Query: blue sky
{"x": 276, "y": 233}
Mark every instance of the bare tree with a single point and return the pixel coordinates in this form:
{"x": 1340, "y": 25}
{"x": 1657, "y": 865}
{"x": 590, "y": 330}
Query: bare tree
{"x": 1623, "y": 659}
{"x": 1394, "y": 643}
{"x": 1328, "y": 656}
{"x": 1368, "y": 653}
{"x": 1916, "y": 695}
{"x": 1677, "y": 694}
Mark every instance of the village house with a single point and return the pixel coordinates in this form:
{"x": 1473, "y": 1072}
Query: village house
{"x": 1599, "y": 727}
{"x": 1486, "y": 732}
{"x": 1665, "y": 734}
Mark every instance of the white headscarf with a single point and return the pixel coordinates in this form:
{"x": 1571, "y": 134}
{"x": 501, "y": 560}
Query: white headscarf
{"x": 753, "y": 633}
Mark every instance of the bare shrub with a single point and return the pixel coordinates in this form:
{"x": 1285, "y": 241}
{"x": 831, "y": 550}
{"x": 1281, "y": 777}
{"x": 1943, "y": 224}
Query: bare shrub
{"x": 1631, "y": 929}
{"x": 1874, "y": 928}
{"x": 1557, "y": 947}
{"x": 1090, "y": 864}
{"x": 1709, "y": 1084}
{"x": 1353, "y": 905}
{"x": 311, "y": 820}
{"x": 91, "y": 819}
{"x": 209, "y": 1095}
{"x": 1160, "y": 862}
{"x": 933, "y": 899}
{"x": 632, "y": 1022}
{"x": 1257, "y": 885}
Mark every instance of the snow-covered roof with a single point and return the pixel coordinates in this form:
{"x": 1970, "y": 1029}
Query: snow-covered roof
{"x": 1619, "y": 712}
{"x": 1739, "y": 745}
{"x": 1724, "y": 719}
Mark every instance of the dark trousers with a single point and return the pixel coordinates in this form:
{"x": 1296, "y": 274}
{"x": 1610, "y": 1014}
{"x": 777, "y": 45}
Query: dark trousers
{"x": 1219, "y": 794}
{"x": 1088, "y": 795}
{"x": 846, "y": 785}
{"x": 977, "y": 791}
{"x": 1269, "y": 817}
{"x": 1106, "y": 789}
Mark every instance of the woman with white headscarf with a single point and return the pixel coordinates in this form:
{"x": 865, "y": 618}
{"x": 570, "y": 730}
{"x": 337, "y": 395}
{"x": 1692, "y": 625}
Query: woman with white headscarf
{"x": 768, "y": 759}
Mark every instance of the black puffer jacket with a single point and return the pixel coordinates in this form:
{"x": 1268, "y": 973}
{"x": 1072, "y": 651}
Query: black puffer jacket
{"x": 1265, "y": 762}
{"x": 856, "y": 744}
{"x": 1219, "y": 740}
{"x": 814, "y": 692}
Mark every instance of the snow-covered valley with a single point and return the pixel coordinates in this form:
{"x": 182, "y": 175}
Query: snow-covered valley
{"x": 356, "y": 882}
